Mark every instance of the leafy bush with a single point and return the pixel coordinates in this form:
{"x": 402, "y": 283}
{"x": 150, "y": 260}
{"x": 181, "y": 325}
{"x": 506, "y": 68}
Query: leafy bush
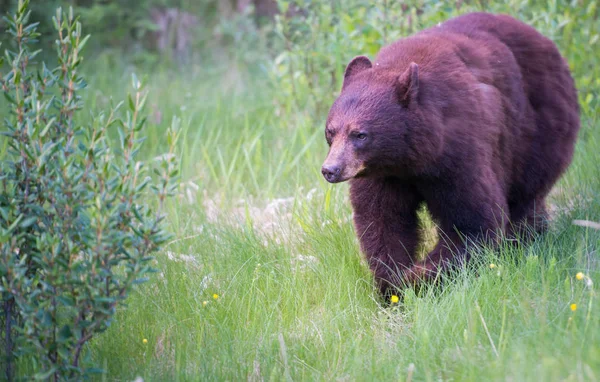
{"x": 79, "y": 218}
{"x": 124, "y": 26}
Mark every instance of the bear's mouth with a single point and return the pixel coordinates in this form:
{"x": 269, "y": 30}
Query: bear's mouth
{"x": 335, "y": 174}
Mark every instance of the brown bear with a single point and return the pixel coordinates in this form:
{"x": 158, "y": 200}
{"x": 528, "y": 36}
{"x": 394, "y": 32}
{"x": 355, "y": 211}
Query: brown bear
{"x": 476, "y": 118}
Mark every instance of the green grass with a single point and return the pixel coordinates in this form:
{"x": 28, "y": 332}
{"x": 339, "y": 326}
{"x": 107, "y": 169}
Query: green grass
{"x": 266, "y": 233}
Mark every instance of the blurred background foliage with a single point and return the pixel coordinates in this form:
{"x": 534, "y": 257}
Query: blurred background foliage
{"x": 305, "y": 41}
{"x": 146, "y": 27}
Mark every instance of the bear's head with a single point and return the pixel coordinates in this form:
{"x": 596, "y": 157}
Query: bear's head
{"x": 377, "y": 127}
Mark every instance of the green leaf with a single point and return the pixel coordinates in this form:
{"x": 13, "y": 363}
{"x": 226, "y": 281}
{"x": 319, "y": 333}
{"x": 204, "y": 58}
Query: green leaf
{"x": 82, "y": 43}
{"x": 23, "y": 5}
{"x": 47, "y": 127}
{"x": 14, "y": 225}
{"x": 43, "y": 376}
{"x": 135, "y": 82}
{"x": 131, "y": 103}
{"x": 109, "y": 300}
{"x": 28, "y": 222}
{"x": 66, "y": 300}
{"x": 30, "y": 28}
{"x": 65, "y": 333}
{"x": 9, "y": 98}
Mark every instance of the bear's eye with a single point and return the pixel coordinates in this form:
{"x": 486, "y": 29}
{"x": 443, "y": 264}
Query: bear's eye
{"x": 329, "y": 136}
{"x": 361, "y": 136}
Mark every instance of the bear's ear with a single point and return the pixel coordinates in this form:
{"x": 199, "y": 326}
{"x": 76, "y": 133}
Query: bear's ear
{"x": 407, "y": 85}
{"x": 357, "y": 65}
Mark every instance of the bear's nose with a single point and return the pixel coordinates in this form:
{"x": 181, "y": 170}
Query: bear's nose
{"x": 331, "y": 173}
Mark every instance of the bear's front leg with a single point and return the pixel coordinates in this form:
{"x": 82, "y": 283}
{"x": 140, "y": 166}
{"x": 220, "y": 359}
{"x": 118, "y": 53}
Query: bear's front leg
{"x": 467, "y": 212}
{"x": 385, "y": 218}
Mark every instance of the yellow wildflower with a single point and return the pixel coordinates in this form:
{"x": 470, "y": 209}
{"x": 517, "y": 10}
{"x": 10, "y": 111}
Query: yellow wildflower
{"x": 573, "y": 307}
{"x": 145, "y": 341}
{"x": 215, "y": 296}
{"x": 579, "y": 276}
{"x": 394, "y": 299}
{"x": 204, "y": 303}
{"x": 492, "y": 266}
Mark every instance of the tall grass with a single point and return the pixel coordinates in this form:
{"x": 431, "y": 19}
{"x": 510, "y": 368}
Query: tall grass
{"x": 258, "y": 228}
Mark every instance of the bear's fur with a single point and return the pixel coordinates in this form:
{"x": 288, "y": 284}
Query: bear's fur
{"x": 476, "y": 117}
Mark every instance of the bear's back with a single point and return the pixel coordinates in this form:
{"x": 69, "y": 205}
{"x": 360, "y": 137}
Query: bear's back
{"x": 546, "y": 75}
{"x": 498, "y": 50}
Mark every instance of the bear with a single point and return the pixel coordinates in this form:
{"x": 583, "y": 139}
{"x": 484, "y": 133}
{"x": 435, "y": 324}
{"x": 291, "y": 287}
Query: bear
{"x": 476, "y": 118}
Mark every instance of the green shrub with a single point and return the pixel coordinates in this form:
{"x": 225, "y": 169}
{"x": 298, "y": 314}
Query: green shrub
{"x": 79, "y": 217}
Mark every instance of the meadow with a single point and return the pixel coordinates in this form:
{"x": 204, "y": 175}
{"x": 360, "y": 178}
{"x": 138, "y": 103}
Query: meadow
{"x": 264, "y": 279}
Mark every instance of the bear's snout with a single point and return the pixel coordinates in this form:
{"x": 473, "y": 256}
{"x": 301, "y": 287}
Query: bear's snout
{"x": 331, "y": 173}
